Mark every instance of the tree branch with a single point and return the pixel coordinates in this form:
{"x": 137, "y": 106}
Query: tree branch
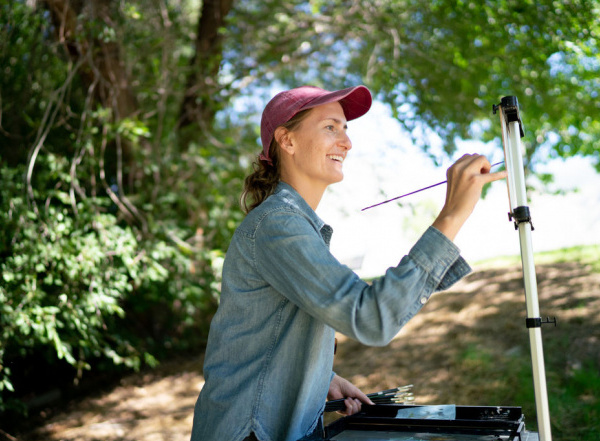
{"x": 199, "y": 106}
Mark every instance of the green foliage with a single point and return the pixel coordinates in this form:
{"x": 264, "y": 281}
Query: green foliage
{"x": 112, "y": 230}
{"x": 31, "y": 67}
{"x": 88, "y": 286}
{"x": 440, "y": 65}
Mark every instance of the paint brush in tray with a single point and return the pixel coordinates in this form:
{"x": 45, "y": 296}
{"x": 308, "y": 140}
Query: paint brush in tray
{"x": 397, "y": 395}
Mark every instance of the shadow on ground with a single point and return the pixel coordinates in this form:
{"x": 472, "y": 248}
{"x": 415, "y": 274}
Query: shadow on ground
{"x": 467, "y": 346}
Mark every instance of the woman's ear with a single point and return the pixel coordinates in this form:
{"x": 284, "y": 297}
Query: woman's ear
{"x": 283, "y": 138}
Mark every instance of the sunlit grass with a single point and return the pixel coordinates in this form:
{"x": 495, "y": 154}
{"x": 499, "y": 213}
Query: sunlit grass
{"x": 586, "y": 254}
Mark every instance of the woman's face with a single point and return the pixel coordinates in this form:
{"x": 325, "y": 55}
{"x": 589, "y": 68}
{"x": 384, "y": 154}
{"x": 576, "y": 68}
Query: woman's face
{"x": 320, "y": 145}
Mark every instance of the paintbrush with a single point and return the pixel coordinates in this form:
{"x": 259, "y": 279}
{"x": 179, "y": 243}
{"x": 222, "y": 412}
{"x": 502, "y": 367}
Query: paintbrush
{"x": 416, "y": 191}
{"x": 397, "y": 395}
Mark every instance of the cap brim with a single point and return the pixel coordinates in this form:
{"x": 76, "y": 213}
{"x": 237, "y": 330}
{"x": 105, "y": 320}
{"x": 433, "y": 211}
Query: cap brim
{"x": 356, "y": 101}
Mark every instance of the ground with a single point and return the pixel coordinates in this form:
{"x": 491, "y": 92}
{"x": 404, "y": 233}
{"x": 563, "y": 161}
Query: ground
{"x": 468, "y": 345}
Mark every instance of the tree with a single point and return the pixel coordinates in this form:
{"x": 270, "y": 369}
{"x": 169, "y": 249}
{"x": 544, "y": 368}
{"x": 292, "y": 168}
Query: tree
{"x": 112, "y": 229}
{"x": 440, "y": 66}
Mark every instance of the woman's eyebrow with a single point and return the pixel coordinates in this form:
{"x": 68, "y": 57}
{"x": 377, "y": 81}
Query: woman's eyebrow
{"x": 337, "y": 121}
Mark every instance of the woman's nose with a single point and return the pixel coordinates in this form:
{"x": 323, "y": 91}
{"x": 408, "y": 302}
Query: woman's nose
{"x": 345, "y": 140}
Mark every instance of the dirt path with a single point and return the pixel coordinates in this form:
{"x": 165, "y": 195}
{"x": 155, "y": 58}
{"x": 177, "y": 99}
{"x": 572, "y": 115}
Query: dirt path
{"x": 461, "y": 348}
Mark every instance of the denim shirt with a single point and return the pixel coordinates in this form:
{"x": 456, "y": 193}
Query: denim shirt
{"x": 269, "y": 357}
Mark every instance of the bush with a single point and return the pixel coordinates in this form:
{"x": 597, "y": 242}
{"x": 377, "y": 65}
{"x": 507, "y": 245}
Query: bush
{"x": 83, "y": 287}
{"x": 112, "y": 225}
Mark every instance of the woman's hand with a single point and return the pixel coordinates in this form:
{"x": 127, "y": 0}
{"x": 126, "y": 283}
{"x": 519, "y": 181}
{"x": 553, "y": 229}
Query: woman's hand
{"x": 342, "y": 388}
{"x": 466, "y": 179}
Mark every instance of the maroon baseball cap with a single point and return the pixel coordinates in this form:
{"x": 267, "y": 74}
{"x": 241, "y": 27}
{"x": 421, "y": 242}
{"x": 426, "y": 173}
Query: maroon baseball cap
{"x": 355, "y": 102}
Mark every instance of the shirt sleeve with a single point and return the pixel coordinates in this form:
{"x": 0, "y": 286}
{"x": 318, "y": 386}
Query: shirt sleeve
{"x": 293, "y": 258}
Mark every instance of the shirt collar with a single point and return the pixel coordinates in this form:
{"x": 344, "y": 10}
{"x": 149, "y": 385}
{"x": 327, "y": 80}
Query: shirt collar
{"x": 287, "y": 192}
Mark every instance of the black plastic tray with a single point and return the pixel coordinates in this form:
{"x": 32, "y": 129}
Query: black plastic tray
{"x": 503, "y": 422}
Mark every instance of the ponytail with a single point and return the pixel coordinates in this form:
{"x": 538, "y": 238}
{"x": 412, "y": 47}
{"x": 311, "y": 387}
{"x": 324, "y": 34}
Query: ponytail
{"x": 261, "y": 183}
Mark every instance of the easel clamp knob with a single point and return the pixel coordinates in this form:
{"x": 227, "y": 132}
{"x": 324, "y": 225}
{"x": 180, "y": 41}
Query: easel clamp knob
{"x": 537, "y": 322}
{"x": 520, "y": 215}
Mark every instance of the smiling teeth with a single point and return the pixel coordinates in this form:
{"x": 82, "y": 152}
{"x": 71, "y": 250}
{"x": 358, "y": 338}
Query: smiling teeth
{"x": 337, "y": 158}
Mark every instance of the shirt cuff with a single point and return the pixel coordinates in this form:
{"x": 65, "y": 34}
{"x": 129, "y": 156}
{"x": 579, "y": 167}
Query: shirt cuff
{"x": 440, "y": 257}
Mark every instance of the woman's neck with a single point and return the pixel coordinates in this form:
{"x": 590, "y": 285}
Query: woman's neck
{"x": 309, "y": 193}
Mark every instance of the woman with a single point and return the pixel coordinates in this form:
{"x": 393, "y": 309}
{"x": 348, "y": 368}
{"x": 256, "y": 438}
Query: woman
{"x": 268, "y": 364}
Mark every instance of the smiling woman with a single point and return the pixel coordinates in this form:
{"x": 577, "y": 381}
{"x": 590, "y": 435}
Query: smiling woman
{"x": 269, "y": 358}
{"x": 282, "y": 119}
{"x": 312, "y": 155}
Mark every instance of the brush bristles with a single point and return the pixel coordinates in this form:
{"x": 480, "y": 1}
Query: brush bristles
{"x": 397, "y": 395}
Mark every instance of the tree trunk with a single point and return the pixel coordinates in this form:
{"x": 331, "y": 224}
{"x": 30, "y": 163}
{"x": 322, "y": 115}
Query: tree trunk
{"x": 200, "y": 102}
{"x": 103, "y": 71}
{"x": 104, "y": 76}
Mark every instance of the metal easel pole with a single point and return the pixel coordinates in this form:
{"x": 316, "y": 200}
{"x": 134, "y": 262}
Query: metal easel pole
{"x": 512, "y": 132}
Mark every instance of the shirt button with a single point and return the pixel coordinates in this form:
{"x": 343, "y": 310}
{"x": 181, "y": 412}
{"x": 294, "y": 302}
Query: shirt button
{"x": 423, "y": 300}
